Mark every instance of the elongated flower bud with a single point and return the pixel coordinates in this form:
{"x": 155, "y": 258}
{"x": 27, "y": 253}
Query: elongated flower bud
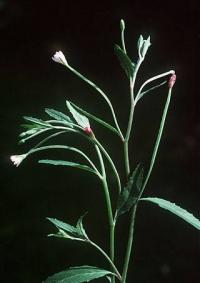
{"x": 172, "y": 81}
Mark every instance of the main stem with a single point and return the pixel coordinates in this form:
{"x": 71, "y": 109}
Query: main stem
{"x": 109, "y": 208}
{"x": 130, "y": 121}
{"x": 127, "y": 168}
{"x": 133, "y": 215}
{"x": 130, "y": 244}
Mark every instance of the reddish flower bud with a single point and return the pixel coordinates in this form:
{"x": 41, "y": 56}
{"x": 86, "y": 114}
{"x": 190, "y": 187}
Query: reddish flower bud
{"x": 172, "y": 81}
{"x": 88, "y": 131}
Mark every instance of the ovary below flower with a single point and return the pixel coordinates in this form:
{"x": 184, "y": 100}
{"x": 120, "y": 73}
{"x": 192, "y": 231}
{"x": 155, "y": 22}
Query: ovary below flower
{"x": 59, "y": 57}
{"x": 17, "y": 159}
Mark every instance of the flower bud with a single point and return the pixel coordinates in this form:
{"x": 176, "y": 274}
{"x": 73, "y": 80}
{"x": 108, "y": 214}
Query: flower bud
{"x": 59, "y": 57}
{"x": 88, "y": 131}
{"x": 122, "y": 25}
{"x": 172, "y": 81}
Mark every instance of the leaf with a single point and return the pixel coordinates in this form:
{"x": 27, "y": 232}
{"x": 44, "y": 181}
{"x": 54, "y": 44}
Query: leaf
{"x": 140, "y": 43}
{"x": 103, "y": 123}
{"x": 129, "y": 194}
{"x": 68, "y": 231}
{"x": 144, "y": 47}
{"x": 175, "y": 209}
{"x": 36, "y": 121}
{"x": 78, "y": 275}
{"x": 80, "y": 119}
{"x": 66, "y": 163}
{"x": 80, "y": 227}
{"x": 31, "y": 131}
{"x": 59, "y": 116}
{"x": 125, "y": 61}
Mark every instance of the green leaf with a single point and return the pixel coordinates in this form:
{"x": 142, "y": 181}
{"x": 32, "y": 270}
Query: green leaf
{"x": 37, "y": 121}
{"x": 80, "y": 227}
{"x": 175, "y": 209}
{"x": 59, "y": 116}
{"x": 129, "y": 194}
{"x": 67, "y": 163}
{"x": 103, "y": 123}
{"x": 31, "y": 131}
{"x": 125, "y": 61}
{"x": 79, "y": 118}
{"x": 78, "y": 274}
{"x": 68, "y": 231}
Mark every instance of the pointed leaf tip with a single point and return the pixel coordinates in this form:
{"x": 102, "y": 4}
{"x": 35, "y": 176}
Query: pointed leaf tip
{"x": 79, "y": 118}
{"x": 175, "y": 209}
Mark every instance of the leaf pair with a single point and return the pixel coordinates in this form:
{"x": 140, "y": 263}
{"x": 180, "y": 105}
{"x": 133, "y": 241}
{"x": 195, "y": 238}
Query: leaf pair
{"x": 129, "y": 194}
{"x": 68, "y": 231}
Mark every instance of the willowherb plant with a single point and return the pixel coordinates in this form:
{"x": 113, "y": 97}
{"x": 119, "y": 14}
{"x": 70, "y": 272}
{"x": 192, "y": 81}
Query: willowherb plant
{"x": 129, "y": 194}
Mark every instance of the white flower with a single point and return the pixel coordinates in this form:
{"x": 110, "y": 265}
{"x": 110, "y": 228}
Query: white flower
{"x": 59, "y": 57}
{"x": 17, "y": 159}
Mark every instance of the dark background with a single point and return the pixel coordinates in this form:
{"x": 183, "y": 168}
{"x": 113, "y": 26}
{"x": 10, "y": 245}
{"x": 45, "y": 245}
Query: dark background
{"x": 166, "y": 249}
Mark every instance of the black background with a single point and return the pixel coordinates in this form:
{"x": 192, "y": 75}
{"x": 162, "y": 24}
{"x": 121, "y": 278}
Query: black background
{"x": 165, "y": 248}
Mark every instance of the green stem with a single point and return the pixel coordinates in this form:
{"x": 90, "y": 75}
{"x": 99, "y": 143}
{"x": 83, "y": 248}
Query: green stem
{"x": 139, "y": 94}
{"x": 157, "y": 143}
{"x": 111, "y": 163}
{"x": 102, "y": 94}
{"x": 107, "y": 257}
{"x": 130, "y": 121}
{"x": 109, "y": 207}
{"x": 131, "y": 231}
{"x": 129, "y": 245}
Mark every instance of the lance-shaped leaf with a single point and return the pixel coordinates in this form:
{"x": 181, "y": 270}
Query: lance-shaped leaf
{"x": 129, "y": 195}
{"x": 100, "y": 121}
{"x": 125, "y": 61}
{"x": 79, "y": 118}
{"x": 66, "y": 230}
{"x": 32, "y": 129}
{"x": 175, "y": 209}
{"x": 67, "y": 163}
{"x": 37, "y": 121}
{"x": 78, "y": 274}
{"x": 59, "y": 116}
